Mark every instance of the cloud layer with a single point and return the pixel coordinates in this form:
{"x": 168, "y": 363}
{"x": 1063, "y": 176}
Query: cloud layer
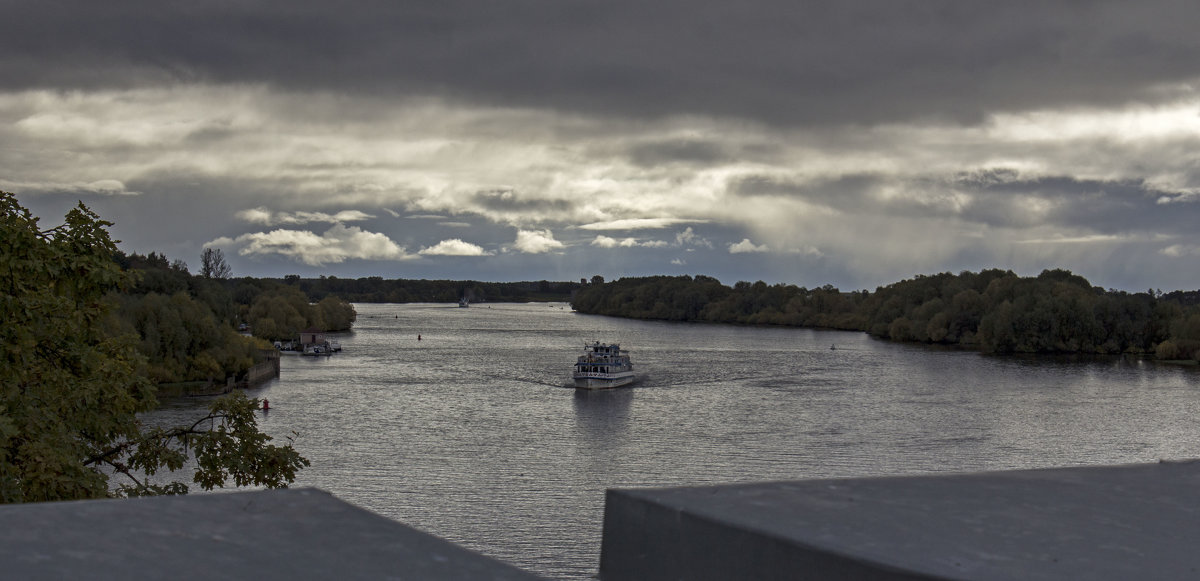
{"x": 853, "y": 143}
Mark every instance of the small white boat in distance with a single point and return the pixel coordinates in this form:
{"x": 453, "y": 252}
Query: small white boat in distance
{"x": 603, "y": 366}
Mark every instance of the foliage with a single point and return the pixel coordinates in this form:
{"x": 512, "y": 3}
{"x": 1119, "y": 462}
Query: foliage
{"x": 70, "y": 389}
{"x": 993, "y": 310}
{"x": 185, "y": 324}
{"x": 377, "y": 289}
{"x": 226, "y": 444}
{"x": 335, "y": 314}
{"x": 280, "y": 314}
{"x": 282, "y": 311}
{"x": 181, "y": 338}
{"x": 213, "y": 265}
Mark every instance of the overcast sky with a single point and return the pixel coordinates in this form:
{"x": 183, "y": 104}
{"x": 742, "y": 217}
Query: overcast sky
{"x": 853, "y": 143}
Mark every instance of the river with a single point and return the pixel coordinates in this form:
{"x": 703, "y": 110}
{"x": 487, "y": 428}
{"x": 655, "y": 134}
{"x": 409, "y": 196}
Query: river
{"x": 473, "y": 434}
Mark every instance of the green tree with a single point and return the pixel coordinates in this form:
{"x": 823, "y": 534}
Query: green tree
{"x": 213, "y": 265}
{"x": 181, "y": 338}
{"x": 336, "y": 314}
{"x": 280, "y": 313}
{"x": 70, "y": 392}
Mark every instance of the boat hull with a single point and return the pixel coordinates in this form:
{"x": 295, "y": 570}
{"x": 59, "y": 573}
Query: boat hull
{"x": 603, "y": 381}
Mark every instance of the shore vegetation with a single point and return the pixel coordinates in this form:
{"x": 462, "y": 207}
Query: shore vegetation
{"x": 993, "y": 311}
{"x": 73, "y": 380}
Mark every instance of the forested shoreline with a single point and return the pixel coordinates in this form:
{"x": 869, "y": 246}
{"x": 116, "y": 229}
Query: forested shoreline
{"x": 187, "y": 324}
{"x": 993, "y": 311}
{"x": 375, "y": 289}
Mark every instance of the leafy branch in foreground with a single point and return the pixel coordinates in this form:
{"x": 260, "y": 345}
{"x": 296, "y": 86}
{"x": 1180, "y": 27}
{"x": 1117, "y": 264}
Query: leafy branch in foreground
{"x": 226, "y": 444}
{"x": 70, "y": 393}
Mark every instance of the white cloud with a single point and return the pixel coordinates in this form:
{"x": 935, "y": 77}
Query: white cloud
{"x": 1073, "y": 239}
{"x": 603, "y": 241}
{"x": 536, "y": 241}
{"x": 678, "y": 262}
{"x": 638, "y": 224}
{"x": 335, "y": 245}
{"x": 1179, "y": 250}
{"x": 690, "y": 238}
{"x": 103, "y": 187}
{"x": 455, "y": 224}
{"x": 454, "y": 247}
{"x": 261, "y": 215}
{"x": 343, "y": 216}
{"x": 747, "y": 246}
{"x": 258, "y": 215}
{"x": 107, "y": 187}
{"x": 807, "y": 251}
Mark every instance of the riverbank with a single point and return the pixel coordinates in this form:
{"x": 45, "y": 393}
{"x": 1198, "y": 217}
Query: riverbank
{"x": 258, "y": 374}
{"x": 992, "y": 311}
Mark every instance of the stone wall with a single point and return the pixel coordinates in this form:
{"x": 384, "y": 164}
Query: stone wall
{"x": 264, "y": 371}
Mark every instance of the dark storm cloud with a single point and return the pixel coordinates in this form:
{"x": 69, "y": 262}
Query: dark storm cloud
{"x": 845, "y": 192}
{"x": 999, "y": 198}
{"x": 1106, "y": 207}
{"x": 777, "y": 61}
{"x": 511, "y": 202}
{"x": 687, "y": 151}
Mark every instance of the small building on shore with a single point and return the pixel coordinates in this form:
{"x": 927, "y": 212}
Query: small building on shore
{"x": 312, "y": 336}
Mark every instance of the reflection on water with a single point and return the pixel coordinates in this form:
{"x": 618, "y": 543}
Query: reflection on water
{"x": 472, "y": 434}
{"x": 603, "y": 414}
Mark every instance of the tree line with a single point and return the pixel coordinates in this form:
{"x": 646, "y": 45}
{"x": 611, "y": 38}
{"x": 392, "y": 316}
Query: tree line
{"x": 187, "y": 325}
{"x": 376, "y": 289}
{"x": 993, "y": 311}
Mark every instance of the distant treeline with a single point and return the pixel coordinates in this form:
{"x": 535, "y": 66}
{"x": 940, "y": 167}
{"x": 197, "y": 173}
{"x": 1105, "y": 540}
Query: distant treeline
{"x": 993, "y": 311}
{"x": 376, "y": 289}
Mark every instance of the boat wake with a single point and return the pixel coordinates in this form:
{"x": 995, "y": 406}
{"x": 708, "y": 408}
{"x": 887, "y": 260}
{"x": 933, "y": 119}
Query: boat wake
{"x": 529, "y": 380}
{"x": 730, "y": 379}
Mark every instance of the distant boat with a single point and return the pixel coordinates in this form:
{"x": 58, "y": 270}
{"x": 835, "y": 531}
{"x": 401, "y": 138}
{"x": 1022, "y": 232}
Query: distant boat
{"x": 464, "y": 303}
{"x": 602, "y": 366}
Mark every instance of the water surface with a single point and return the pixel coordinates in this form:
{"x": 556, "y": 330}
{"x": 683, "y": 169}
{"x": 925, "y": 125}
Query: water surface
{"x": 473, "y": 433}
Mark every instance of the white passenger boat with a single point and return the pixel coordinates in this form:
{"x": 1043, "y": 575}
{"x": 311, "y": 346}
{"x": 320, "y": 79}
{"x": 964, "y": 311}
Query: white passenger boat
{"x": 603, "y": 366}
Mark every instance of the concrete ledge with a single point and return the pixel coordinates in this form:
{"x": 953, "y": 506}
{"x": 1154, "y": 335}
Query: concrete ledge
{"x": 263, "y": 535}
{"x": 1113, "y": 522}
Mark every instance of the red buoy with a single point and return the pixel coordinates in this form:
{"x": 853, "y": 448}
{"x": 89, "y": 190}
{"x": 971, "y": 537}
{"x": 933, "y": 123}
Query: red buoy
{"x": 266, "y": 405}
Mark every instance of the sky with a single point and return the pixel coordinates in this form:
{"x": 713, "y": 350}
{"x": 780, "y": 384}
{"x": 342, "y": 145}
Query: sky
{"x": 851, "y": 143}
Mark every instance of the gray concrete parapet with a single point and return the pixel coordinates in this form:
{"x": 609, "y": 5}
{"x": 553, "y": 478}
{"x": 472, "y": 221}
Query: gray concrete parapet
{"x": 1097, "y": 523}
{"x": 263, "y": 536}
